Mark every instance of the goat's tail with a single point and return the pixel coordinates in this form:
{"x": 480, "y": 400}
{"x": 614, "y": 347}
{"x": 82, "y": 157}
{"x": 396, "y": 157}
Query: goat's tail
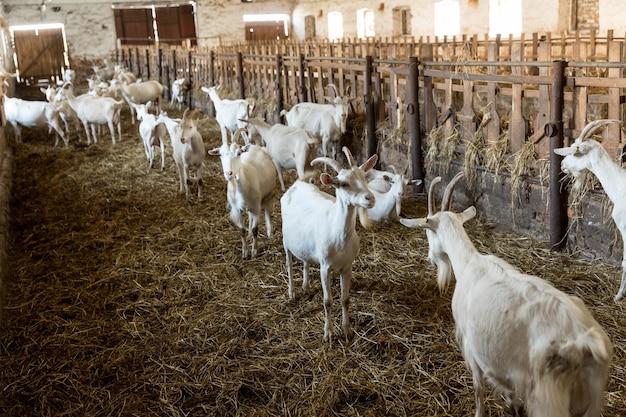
{"x": 572, "y": 376}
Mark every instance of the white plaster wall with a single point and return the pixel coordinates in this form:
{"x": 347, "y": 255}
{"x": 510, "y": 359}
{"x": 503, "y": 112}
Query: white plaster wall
{"x": 90, "y": 27}
{"x": 89, "y": 24}
{"x": 612, "y": 16}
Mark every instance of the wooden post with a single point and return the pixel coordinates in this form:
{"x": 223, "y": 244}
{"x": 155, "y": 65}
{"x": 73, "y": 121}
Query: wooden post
{"x": 517, "y": 124}
{"x": 303, "y": 90}
{"x": 558, "y": 197}
{"x": 372, "y": 146}
{"x": 429, "y": 109}
{"x": 242, "y": 92}
{"x": 211, "y": 108}
{"x": 279, "y": 87}
{"x": 413, "y": 119}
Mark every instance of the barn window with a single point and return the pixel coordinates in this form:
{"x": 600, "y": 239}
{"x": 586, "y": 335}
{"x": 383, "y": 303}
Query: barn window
{"x": 505, "y": 17}
{"x": 401, "y": 21}
{"x": 335, "y": 26}
{"x": 264, "y": 27}
{"x": 150, "y": 25}
{"x": 309, "y": 27}
{"x": 447, "y": 18}
{"x": 365, "y": 23}
{"x": 40, "y": 52}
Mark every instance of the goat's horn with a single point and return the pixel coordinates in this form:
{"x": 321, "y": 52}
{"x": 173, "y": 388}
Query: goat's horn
{"x": 334, "y": 89}
{"x": 349, "y": 156}
{"x": 238, "y": 133}
{"x": 191, "y": 114}
{"x": 392, "y": 169}
{"x": 431, "y": 196}
{"x": 326, "y": 160}
{"x": 595, "y": 125}
{"x": 185, "y": 113}
{"x": 447, "y": 194}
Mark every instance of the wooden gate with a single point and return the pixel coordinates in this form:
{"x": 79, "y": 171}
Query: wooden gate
{"x": 40, "y": 54}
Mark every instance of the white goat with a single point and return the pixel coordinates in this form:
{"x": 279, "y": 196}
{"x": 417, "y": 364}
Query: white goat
{"x": 94, "y": 111}
{"x": 535, "y": 344}
{"x": 589, "y": 155}
{"x": 251, "y": 187}
{"x": 66, "y": 112}
{"x": 326, "y": 121}
{"x": 319, "y": 228}
{"x": 290, "y": 147}
{"x": 188, "y": 149}
{"x": 141, "y": 93}
{"x": 28, "y": 113}
{"x": 69, "y": 76}
{"x": 152, "y": 133}
{"x": 389, "y": 189}
{"x": 229, "y": 113}
{"x": 178, "y": 93}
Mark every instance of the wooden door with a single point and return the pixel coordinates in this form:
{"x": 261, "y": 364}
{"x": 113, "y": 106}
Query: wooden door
{"x": 40, "y": 54}
{"x": 265, "y": 31}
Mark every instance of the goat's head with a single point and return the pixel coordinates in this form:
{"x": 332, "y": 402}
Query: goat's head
{"x": 342, "y": 107}
{"x": 440, "y": 227}
{"x": 350, "y": 183}
{"x": 579, "y": 156}
{"x": 189, "y": 126}
{"x": 230, "y": 155}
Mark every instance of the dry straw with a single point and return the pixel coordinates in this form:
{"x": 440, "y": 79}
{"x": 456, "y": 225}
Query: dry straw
{"x": 128, "y": 300}
{"x": 522, "y": 166}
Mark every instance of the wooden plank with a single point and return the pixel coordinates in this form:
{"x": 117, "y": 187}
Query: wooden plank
{"x": 517, "y": 123}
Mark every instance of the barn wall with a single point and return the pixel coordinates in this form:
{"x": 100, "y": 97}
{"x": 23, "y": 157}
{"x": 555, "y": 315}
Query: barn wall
{"x": 90, "y": 27}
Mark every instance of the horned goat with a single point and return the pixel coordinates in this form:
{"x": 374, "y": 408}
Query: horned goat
{"x": 28, "y": 113}
{"x": 66, "y": 112}
{"x": 586, "y": 154}
{"x": 229, "y": 113}
{"x": 188, "y": 149}
{"x": 326, "y": 121}
{"x": 319, "y": 228}
{"x": 290, "y": 147}
{"x": 535, "y": 344}
{"x": 94, "y": 111}
{"x": 141, "y": 93}
{"x": 251, "y": 179}
{"x": 390, "y": 188}
{"x": 152, "y": 133}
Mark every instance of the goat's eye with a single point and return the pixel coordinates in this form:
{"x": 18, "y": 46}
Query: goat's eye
{"x": 344, "y": 184}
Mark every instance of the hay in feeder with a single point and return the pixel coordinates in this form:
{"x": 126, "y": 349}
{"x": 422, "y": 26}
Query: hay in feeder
{"x": 126, "y": 299}
{"x": 522, "y": 166}
{"x": 495, "y": 153}
{"x": 475, "y": 150}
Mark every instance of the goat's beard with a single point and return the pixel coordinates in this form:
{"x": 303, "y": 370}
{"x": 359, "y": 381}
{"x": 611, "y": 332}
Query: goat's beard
{"x": 444, "y": 274}
{"x": 578, "y": 181}
{"x": 364, "y": 218}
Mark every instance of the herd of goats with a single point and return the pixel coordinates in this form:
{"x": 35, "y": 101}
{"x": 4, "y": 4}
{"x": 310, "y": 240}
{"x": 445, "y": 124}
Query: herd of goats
{"x": 541, "y": 348}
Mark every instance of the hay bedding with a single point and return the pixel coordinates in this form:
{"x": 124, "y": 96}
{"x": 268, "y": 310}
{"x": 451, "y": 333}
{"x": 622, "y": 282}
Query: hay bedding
{"x": 127, "y": 300}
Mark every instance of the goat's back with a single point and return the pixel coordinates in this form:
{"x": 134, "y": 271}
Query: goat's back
{"x": 528, "y": 338}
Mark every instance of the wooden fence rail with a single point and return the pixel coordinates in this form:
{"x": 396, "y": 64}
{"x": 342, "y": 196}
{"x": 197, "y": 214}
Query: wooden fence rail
{"x": 516, "y": 96}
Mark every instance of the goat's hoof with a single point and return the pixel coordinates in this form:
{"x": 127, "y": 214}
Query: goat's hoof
{"x": 618, "y": 297}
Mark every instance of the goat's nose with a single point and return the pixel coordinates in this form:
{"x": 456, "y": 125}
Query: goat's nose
{"x": 371, "y": 199}
{"x": 229, "y": 173}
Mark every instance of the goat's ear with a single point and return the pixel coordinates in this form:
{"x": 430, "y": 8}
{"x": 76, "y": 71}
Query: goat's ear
{"x": 467, "y": 214}
{"x": 387, "y": 178}
{"x": 563, "y": 151}
{"x": 214, "y": 152}
{"x": 423, "y": 223}
{"x": 327, "y": 179}
{"x": 369, "y": 164}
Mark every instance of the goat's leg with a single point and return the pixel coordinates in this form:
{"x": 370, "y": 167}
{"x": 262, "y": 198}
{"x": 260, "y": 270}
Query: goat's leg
{"x": 162, "y": 155}
{"x": 345, "y": 280}
{"x": 112, "y": 130}
{"x": 199, "y": 177}
{"x": 289, "y": 264}
{"x": 622, "y": 288}
{"x": 254, "y": 229}
{"x": 305, "y": 278}
{"x": 328, "y": 301}
{"x": 237, "y": 218}
{"x": 279, "y": 171}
